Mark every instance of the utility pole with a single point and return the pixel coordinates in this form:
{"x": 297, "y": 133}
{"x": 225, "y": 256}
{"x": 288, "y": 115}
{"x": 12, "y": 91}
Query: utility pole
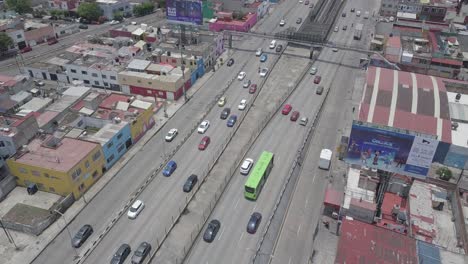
{"x": 68, "y": 230}
{"x": 8, "y": 235}
{"x": 182, "y": 61}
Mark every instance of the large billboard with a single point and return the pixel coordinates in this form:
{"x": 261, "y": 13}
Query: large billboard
{"x": 184, "y": 11}
{"x": 391, "y": 150}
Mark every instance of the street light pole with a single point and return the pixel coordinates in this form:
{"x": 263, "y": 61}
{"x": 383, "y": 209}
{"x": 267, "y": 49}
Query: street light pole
{"x": 68, "y": 230}
{"x": 8, "y": 235}
{"x": 182, "y": 66}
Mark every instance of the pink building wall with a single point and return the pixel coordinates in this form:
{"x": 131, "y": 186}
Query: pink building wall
{"x": 39, "y": 35}
{"x": 241, "y": 26}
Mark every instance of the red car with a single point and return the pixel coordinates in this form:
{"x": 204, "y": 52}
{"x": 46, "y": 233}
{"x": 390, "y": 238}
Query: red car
{"x": 294, "y": 116}
{"x": 25, "y": 49}
{"x": 204, "y": 143}
{"x": 52, "y": 41}
{"x": 317, "y": 79}
{"x": 253, "y": 88}
{"x": 286, "y": 109}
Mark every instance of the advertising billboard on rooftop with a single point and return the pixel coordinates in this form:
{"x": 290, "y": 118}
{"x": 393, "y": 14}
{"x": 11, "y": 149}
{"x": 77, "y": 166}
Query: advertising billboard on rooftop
{"x": 390, "y": 150}
{"x": 185, "y": 12}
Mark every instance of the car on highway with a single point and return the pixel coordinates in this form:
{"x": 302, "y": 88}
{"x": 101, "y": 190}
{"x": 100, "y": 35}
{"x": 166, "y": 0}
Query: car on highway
{"x": 222, "y": 101}
{"x": 317, "y": 79}
{"x": 171, "y": 166}
{"x": 204, "y": 143}
{"x": 303, "y": 121}
{"x": 279, "y": 48}
{"x": 259, "y": 52}
{"x": 83, "y": 26}
{"x": 306, "y": 2}
{"x": 299, "y": 20}
{"x": 135, "y": 209}
{"x": 114, "y": 22}
{"x": 225, "y": 113}
{"x": 282, "y": 23}
{"x": 232, "y": 121}
{"x": 121, "y": 254}
{"x": 336, "y": 29}
{"x": 26, "y": 49}
{"x": 300, "y": 1}
{"x": 211, "y": 230}
{"x": 334, "y": 49}
{"x": 263, "y": 72}
{"x": 254, "y": 222}
{"x": 241, "y": 76}
{"x": 190, "y": 183}
{"x": 263, "y": 58}
{"x": 171, "y": 134}
{"x": 352, "y": 10}
{"x": 52, "y": 41}
{"x": 242, "y": 104}
{"x": 391, "y": 19}
{"x": 313, "y": 70}
{"x": 230, "y": 62}
{"x": 81, "y": 236}
{"x": 343, "y": 14}
{"x": 141, "y": 253}
{"x": 286, "y": 109}
{"x": 358, "y": 13}
{"x": 253, "y": 88}
{"x": 246, "y": 83}
{"x": 203, "y": 126}
{"x": 294, "y": 116}
{"x": 345, "y": 27}
{"x": 246, "y": 166}
{"x": 319, "y": 90}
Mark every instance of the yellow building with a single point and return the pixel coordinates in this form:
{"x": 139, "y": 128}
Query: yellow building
{"x": 60, "y": 166}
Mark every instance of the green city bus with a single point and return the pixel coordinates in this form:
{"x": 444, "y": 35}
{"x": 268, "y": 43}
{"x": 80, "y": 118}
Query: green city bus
{"x": 257, "y": 178}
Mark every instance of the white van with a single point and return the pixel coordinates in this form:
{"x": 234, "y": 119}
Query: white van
{"x": 358, "y": 13}
{"x": 272, "y": 44}
{"x": 366, "y": 15}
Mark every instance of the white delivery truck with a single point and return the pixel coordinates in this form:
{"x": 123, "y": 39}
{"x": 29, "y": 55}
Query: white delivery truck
{"x": 325, "y": 159}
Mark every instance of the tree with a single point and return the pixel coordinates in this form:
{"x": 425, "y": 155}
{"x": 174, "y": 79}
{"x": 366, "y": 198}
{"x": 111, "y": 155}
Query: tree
{"x": 20, "y": 6}
{"x": 5, "y": 42}
{"x": 89, "y": 11}
{"x": 444, "y": 173}
{"x": 143, "y": 9}
{"x": 161, "y": 3}
{"x": 118, "y": 16}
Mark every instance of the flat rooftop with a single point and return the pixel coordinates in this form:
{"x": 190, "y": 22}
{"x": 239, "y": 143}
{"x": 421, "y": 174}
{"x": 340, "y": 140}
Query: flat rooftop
{"x": 406, "y": 100}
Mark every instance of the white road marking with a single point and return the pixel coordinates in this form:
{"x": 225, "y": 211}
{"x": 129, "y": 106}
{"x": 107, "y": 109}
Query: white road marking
{"x": 221, "y": 234}
{"x": 289, "y": 262}
{"x": 235, "y": 206}
{"x": 299, "y": 229}
{"x": 255, "y": 207}
{"x": 242, "y": 234}
{"x": 307, "y": 202}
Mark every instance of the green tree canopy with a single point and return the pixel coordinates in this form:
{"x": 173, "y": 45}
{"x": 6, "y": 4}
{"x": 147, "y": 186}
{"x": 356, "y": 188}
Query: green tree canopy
{"x": 20, "y": 6}
{"x": 143, "y": 9}
{"x": 5, "y": 42}
{"x": 89, "y": 11}
{"x": 118, "y": 16}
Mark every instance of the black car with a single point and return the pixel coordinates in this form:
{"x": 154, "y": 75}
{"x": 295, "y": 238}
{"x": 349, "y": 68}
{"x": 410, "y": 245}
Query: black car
{"x": 121, "y": 255}
{"x": 343, "y": 14}
{"x": 230, "y": 62}
{"x": 80, "y": 237}
{"x": 211, "y": 230}
{"x": 191, "y": 181}
{"x": 225, "y": 113}
{"x": 299, "y": 20}
{"x": 352, "y": 9}
{"x": 279, "y": 48}
{"x": 141, "y": 253}
{"x": 254, "y": 222}
{"x": 83, "y": 26}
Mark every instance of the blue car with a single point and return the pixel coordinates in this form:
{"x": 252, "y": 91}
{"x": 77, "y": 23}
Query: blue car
{"x": 170, "y": 168}
{"x": 232, "y": 121}
{"x": 263, "y": 58}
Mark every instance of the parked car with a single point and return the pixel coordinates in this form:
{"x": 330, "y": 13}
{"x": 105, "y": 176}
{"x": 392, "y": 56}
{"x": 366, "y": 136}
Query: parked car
{"x": 121, "y": 254}
{"x": 171, "y": 134}
{"x": 83, "y": 26}
{"x": 26, "y": 49}
{"x": 52, "y": 41}
{"x": 232, "y": 121}
{"x": 294, "y": 116}
{"x": 242, "y": 104}
{"x": 230, "y": 62}
{"x": 282, "y": 23}
{"x": 345, "y": 27}
{"x": 114, "y": 22}
{"x": 254, "y": 222}
{"x": 204, "y": 143}
{"x": 303, "y": 121}
{"x": 286, "y": 109}
{"x": 263, "y": 58}
{"x": 203, "y": 127}
{"x": 299, "y": 20}
{"x": 81, "y": 236}
{"x": 141, "y": 253}
{"x": 279, "y": 48}
{"x": 225, "y": 113}
{"x": 336, "y": 29}
{"x": 246, "y": 83}
{"x": 352, "y": 10}
{"x": 190, "y": 183}
{"x": 211, "y": 230}
{"x": 263, "y": 72}
{"x": 135, "y": 209}
{"x": 319, "y": 90}
{"x": 317, "y": 79}
{"x": 306, "y": 2}
{"x": 246, "y": 166}
{"x": 313, "y": 71}
{"x": 241, "y": 76}
{"x": 171, "y": 166}
{"x": 343, "y": 14}
{"x": 222, "y": 101}
{"x": 253, "y": 88}
{"x": 259, "y": 52}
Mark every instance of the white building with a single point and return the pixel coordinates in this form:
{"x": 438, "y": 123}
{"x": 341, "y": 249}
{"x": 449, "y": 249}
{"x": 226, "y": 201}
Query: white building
{"x": 110, "y": 7}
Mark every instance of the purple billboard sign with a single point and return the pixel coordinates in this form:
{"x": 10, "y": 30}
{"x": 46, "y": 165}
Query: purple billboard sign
{"x": 184, "y": 11}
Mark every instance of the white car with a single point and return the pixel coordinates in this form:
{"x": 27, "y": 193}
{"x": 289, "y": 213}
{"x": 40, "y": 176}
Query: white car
{"x": 241, "y": 76}
{"x": 282, "y": 23}
{"x": 313, "y": 71}
{"x": 114, "y": 22}
{"x": 135, "y": 209}
{"x": 246, "y": 166}
{"x": 246, "y": 83}
{"x": 259, "y": 52}
{"x": 171, "y": 134}
{"x": 336, "y": 29}
{"x": 203, "y": 126}
{"x": 263, "y": 72}
{"x": 391, "y": 19}
{"x": 242, "y": 105}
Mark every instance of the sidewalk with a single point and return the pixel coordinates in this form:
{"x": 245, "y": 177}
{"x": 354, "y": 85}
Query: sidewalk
{"x": 30, "y": 246}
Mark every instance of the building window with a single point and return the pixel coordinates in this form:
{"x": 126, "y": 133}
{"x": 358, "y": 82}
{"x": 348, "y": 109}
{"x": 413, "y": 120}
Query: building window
{"x": 113, "y": 77}
{"x": 18, "y": 36}
{"x": 94, "y": 74}
{"x": 110, "y": 145}
{"x": 121, "y": 148}
{"x": 46, "y": 175}
{"x": 87, "y": 164}
{"x": 119, "y": 136}
{"x": 36, "y": 173}
{"x": 81, "y": 187}
{"x": 150, "y": 83}
{"x": 2, "y": 144}
{"x": 96, "y": 155}
{"x": 86, "y": 81}
{"x": 40, "y": 186}
{"x": 76, "y": 173}
{"x": 84, "y": 72}
{"x": 106, "y": 84}
{"x": 111, "y": 158}
{"x": 96, "y": 82}
{"x": 23, "y": 170}
{"x": 73, "y": 70}
{"x": 104, "y": 76}
{"x": 138, "y": 81}
{"x": 51, "y": 189}
{"x": 95, "y": 174}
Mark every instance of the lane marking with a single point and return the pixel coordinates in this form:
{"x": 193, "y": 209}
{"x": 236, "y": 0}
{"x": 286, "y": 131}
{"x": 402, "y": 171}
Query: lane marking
{"x": 289, "y": 262}
{"x": 307, "y": 202}
{"x": 221, "y": 234}
{"x": 255, "y": 207}
{"x": 298, "y": 230}
{"x": 237, "y": 203}
{"x": 242, "y": 234}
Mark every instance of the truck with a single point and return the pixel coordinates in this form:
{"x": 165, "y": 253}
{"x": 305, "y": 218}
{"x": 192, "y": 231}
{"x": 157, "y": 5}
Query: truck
{"x": 325, "y": 159}
{"x": 358, "y": 31}
{"x": 366, "y": 15}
